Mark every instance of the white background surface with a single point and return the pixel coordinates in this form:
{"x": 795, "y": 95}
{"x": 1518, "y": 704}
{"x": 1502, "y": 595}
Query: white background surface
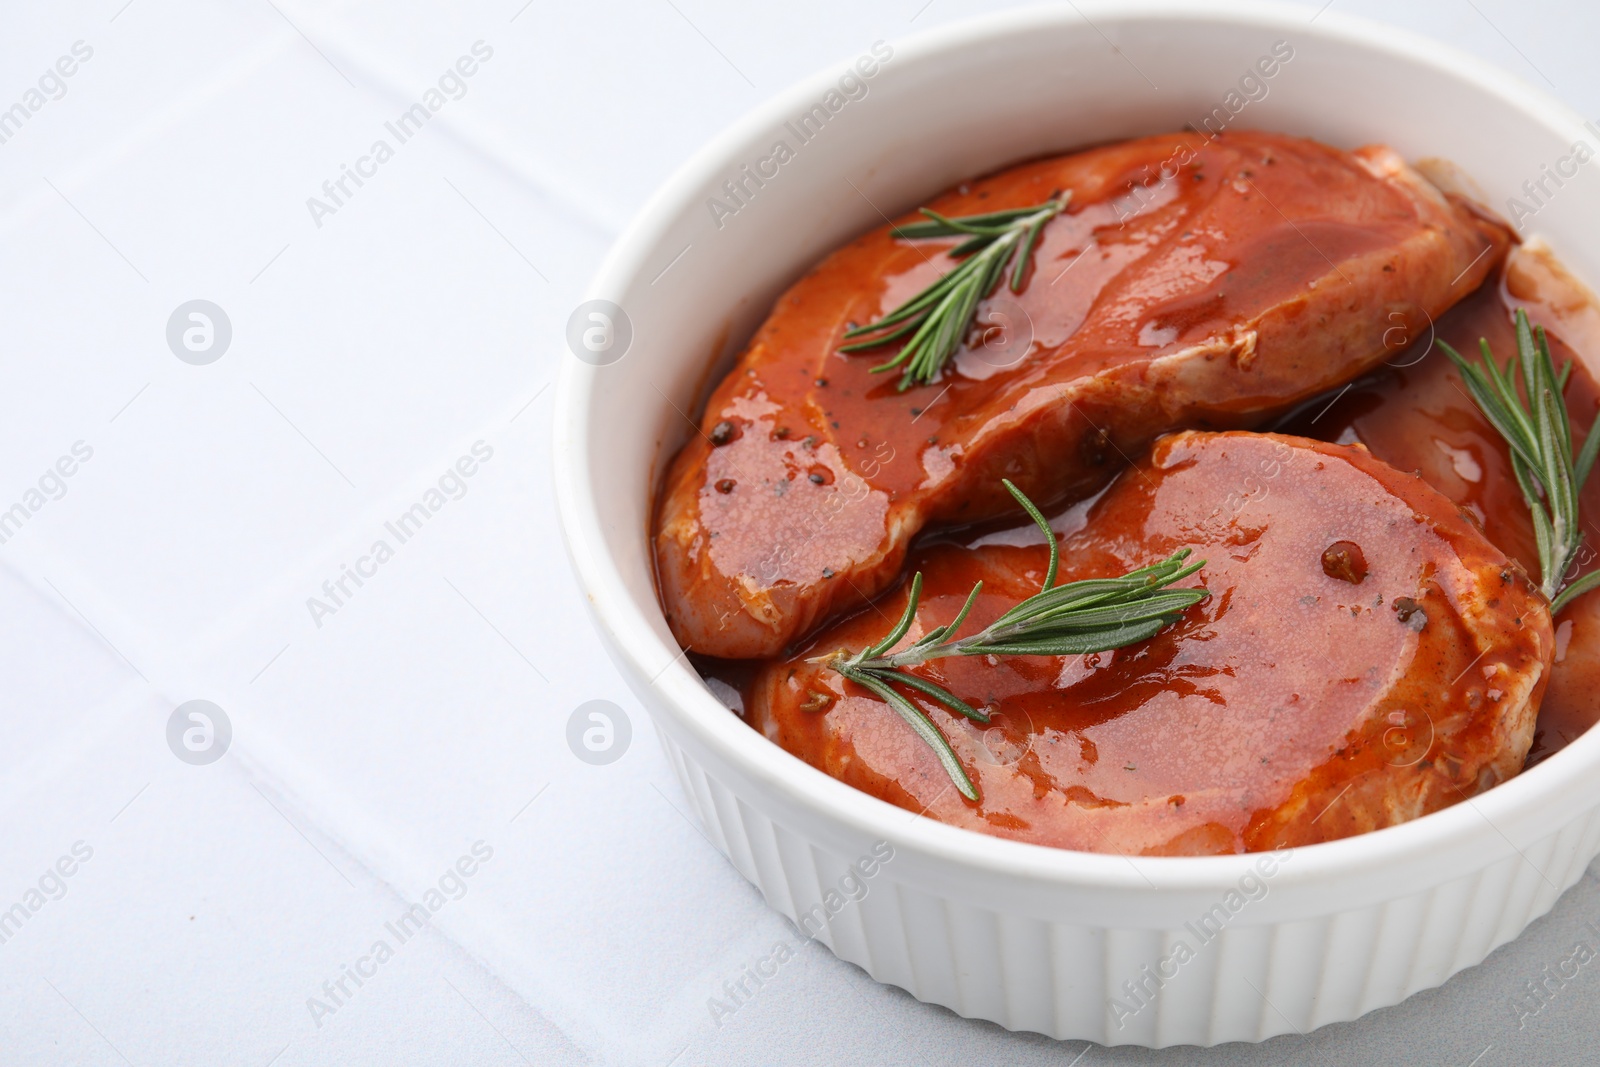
{"x": 429, "y": 711}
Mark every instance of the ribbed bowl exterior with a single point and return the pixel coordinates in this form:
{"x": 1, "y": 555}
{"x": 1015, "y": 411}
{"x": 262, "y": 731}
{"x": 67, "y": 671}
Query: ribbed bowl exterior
{"x": 1248, "y": 983}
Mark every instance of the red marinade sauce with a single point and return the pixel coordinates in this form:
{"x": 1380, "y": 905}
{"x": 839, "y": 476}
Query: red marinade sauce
{"x": 1415, "y": 415}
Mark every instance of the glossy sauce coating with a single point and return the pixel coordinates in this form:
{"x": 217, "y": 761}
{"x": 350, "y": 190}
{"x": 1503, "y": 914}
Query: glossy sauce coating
{"x": 1193, "y": 282}
{"x": 1366, "y": 656}
{"x": 1415, "y": 415}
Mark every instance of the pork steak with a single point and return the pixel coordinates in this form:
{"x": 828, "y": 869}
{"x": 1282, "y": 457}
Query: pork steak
{"x": 1366, "y": 656}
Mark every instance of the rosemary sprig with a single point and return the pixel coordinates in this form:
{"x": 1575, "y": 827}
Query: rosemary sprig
{"x": 1540, "y": 436}
{"x": 1092, "y": 615}
{"x": 938, "y": 317}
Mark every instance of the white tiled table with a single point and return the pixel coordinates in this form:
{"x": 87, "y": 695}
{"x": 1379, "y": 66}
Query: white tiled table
{"x": 425, "y": 716}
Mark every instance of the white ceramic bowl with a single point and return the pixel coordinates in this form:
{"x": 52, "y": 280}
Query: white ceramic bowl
{"x": 1036, "y": 938}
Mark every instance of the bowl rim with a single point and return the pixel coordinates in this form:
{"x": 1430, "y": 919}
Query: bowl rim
{"x": 1552, "y": 785}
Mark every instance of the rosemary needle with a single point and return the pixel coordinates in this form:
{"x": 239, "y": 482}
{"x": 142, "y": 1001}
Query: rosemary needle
{"x": 1091, "y": 615}
{"x": 938, "y": 317}
{"x": 1539, "y": 434}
